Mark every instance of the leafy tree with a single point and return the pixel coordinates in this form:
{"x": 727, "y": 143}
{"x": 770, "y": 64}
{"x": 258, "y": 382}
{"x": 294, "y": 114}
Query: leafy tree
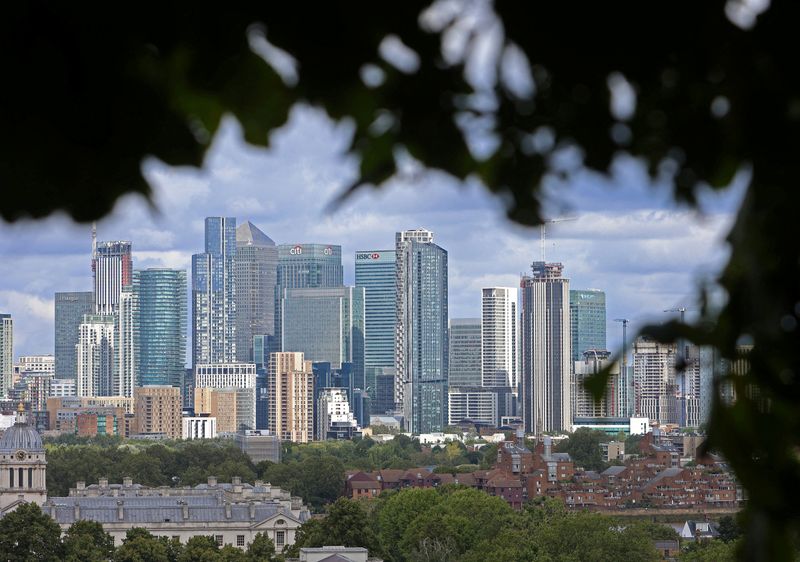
{"x": 29, "y": 534}
{"x": 262, "y": 549}
{"x": 230, "y": 553}
{"x": 139, "y": 545}
{"x": 585, "y": 536}
{"x": 657, "y": 531}
{"x": 200, "y": 549}
{"x": 86, "y": 541}
{"x": 632, "y": 444}
{"x": 584, "y": 447}
{"x": 396, "y": 513}
{"x": 728, "y": 529}
{"x": 709, "y": 551}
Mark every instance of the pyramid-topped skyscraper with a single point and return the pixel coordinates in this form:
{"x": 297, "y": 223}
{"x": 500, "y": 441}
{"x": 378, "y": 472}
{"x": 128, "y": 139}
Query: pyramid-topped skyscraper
{"x": 256, "y": 277}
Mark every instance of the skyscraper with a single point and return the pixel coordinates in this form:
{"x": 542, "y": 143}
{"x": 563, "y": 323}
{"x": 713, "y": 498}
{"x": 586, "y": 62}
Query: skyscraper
{"x": 464, "y": 347}
{"x": 499, "y": 337}
{"x": 6, "y": 353}
{"x": 256, "y": 279}
{"x": 585, "y": 406}
{"x": 655, "y": 384}
{"x": 587, "y": 313}
{"x": 376, "y": 272}
{"x": 310, "y": 265}
{"x": 112, "y": 266}
{"x": 126, "y": 349}
{"x": 95, "y": 355}
{"x": 545, "y": 382}
{"x": 421, "y": 352}
{"x": 213, "y": 294}
{"x": 291, "y": 392}
{"x": 162, "y": 326}
{"x": 69, "y": 311}
{"x": 326, "y": 324}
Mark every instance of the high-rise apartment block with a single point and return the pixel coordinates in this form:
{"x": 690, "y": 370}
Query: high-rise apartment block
{"x": 610, "y": 405}
{"x": 256, "y": 281}
{"x": 233, "y": 408}
{"x": 240, "y": 380}
{"x": 126, "y": 349}
{"x": 95, "y": 355}
{"x": 464, "y": 347}
{"x": 376, "y": 273}
{"x": 213, "y": 294}
{"x": 326, "y": 324}
{"x": 499, "y": 337}
{"x": 6, "y": 353}
{"x": 587, "y": 312}
{"x": 158, "y": 410}
{"x": 546, "y": 384}
{"x": 291, "y": 397}
{"x": 162, "y": 326}
{"x": 112, "y": 266}
{"x": 421, "y": 352}
{"x": 69, "y": 311}
{"x": 655, "y": 384}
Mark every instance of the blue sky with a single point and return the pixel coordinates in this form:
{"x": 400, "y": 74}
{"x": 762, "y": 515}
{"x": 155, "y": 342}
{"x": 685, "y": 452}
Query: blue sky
{"x": 629, "y": 239}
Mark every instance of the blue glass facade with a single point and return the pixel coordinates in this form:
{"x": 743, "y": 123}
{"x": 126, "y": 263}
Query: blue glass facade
{"x": 376, "y": 273}
{"x": 162, "y": 326}
{"x": 69, "y": 311}
{"x": 426, "y": 337}
{"x": 213, "y": 294}
{"x": 587, "y": 315}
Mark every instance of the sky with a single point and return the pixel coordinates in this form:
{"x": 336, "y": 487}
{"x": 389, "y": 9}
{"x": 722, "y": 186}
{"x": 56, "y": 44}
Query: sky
{"x": 628, "y": 237}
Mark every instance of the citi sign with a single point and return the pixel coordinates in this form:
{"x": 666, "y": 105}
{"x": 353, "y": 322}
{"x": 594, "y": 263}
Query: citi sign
{"x": 296, "y": 251}
{"x": 368, "y": 256}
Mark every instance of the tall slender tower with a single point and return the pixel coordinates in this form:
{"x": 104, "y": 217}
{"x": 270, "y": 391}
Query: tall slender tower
{"x": 6, "y": 352}
{"x": 546, "y": 384}
{"x": 162, "y": 326}
{"x": 213, "y": 294}
{"x": 256, "y": 279}
{"x": 421, "y": 352}
{"x": 587, "y": 310}
{"x": 112, "y": 266}
{"x": 499, "y": 337}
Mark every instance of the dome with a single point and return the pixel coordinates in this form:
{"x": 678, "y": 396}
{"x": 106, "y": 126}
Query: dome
{"x": 21, "y": 436}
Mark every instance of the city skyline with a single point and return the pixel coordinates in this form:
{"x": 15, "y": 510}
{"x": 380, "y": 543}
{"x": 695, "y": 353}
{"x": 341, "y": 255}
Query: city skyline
{"x": 627, "y": 241}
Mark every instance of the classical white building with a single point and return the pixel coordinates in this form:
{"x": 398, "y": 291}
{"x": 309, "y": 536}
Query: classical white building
{"x": 22, "y": 466}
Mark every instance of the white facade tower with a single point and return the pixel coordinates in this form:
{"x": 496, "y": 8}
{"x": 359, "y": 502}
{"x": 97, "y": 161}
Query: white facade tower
{"x": 499, "y": 337}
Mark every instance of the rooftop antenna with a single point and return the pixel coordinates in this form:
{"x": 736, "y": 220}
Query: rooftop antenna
{"x": 543, "y": 231}
{"x": 94, "y": 244}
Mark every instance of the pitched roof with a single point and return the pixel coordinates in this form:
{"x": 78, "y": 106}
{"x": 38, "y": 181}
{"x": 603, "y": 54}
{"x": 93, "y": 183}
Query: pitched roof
{"x": 249, "y": 234}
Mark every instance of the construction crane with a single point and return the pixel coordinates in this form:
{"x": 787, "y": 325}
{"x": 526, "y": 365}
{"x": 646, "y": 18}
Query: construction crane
{"x": 682, "y": 347}
{"x": 543, "y": 231}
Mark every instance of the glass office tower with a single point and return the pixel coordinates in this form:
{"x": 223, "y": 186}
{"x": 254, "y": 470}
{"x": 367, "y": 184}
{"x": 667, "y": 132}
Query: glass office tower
{"x": 587, "y": 314}
{"x": 162, "y": 326}
{"x": 69, "y": 311}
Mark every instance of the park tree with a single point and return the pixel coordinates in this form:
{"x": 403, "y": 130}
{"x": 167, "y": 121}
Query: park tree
{"x": 695, "y": 92}
{"x": 26, "y": 533}
{"x": 86, "y": 541}
{"x": 397, "y": 511}
{"x": 262, "y": 549}
{"x": 584, "y": 447}
{"x": 139, "y": 545}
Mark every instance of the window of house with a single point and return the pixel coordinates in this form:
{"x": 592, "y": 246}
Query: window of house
{"x": 218, "y": 539}
{"x": 239, "y": 540}
{"x": 280, "y": 538}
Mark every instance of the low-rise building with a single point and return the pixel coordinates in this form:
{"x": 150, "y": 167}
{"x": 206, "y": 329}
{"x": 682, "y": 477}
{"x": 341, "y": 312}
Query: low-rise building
{"x": 259, "y": 444}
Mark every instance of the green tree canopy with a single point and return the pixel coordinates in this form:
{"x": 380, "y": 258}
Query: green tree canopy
{"x": 86, "y": 541}
{"x": 26, "y": 533}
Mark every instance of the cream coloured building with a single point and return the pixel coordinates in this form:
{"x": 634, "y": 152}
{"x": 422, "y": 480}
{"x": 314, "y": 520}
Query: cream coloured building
{"x": 291, "y": 390}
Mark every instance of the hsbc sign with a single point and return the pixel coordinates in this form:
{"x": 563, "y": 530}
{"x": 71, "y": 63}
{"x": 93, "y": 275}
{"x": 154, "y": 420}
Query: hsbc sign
{"x": 368, "y": 256}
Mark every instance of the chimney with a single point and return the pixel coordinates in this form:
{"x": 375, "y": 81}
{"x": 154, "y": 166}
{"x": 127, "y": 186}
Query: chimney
{"x": 81, "y": 485}
{"x": 236, "y": 480}
{"x": 77, "y": 511}
{"x": 212, "y": 480}
{"x": 227, "y": 510}
{"x": 103, "y": 482}
{"x": 120, "y": 510}
{"x": 252, "y": 507}
{"x": 127, "y": 482}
